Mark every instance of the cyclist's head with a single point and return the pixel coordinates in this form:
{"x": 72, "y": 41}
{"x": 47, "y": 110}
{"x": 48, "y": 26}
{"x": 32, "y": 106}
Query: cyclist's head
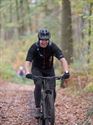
{"x": 44, "y": 34}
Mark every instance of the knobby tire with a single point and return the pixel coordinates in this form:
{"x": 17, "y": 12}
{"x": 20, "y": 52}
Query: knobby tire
{"x": 50, "y": 108}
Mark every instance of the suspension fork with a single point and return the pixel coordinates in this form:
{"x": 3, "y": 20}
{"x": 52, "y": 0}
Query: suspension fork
{"x": 43, "y": 97}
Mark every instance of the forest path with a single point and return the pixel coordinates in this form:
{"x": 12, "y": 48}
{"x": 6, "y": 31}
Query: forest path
{"x": 17, "y": 106}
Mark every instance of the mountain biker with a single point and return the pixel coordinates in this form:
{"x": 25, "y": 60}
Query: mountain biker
{"x": 39, "y": 62}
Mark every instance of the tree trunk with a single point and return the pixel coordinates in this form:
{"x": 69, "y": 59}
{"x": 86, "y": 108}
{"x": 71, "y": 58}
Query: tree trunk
{"x": 20, "y": 16}
{"x": 89, "y": 32}
{"x": 29, "y": 22}
{"x": 0, "y": 20}
{"x": 67, "y": 41}
{"x": 17, "y": 17}
{"x": 22, "y": 24}
{"x": 10, "y": 31}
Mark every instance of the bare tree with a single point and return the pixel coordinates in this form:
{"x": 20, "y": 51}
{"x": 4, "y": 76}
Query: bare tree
{"x": 29, "y": 19}
{"x": 89, "y": 32}
{"x": 67, "y": 41}
{"x": 20, "y": 17}
{"x": 0, "y": 19}
{"x": 10, "y": 31}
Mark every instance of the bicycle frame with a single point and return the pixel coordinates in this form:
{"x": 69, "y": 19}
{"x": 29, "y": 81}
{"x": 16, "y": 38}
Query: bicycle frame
{"x": 45, "y": 92}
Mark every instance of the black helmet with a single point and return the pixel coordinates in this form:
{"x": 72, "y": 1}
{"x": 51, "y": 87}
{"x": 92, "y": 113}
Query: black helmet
{"x": 44, "y": 34}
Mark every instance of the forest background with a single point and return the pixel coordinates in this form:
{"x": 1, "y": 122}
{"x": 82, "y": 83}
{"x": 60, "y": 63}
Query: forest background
{"x": 69, "y": 21}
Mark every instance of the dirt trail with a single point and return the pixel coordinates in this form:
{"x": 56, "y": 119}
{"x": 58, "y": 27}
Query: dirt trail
{"x": 17, "y": 106}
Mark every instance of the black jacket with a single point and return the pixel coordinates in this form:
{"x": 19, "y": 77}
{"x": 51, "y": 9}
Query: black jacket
{"x": 43, "y": 57}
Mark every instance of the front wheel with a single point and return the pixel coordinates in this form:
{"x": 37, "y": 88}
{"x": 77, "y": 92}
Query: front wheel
{"x": 43, "y": 122}
{"x": 50, "y": 108}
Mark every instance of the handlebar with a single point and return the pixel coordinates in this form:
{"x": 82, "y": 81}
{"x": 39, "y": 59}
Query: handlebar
{"x": 33, "y": 77}
{"x": 48, "y": 77}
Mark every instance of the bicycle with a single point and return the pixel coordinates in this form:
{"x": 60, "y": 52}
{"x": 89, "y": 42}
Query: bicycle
{"x": 47, "y": 107}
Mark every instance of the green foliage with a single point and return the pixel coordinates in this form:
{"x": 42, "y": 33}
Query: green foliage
{"x": 89, "y": 1}
{"x": 77, "y": 6}
{"x": 89, "y": 87}
{"x": 13, "y": 55}
{"x": 6, "y": 71}
{"x": 43, "y": 13}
